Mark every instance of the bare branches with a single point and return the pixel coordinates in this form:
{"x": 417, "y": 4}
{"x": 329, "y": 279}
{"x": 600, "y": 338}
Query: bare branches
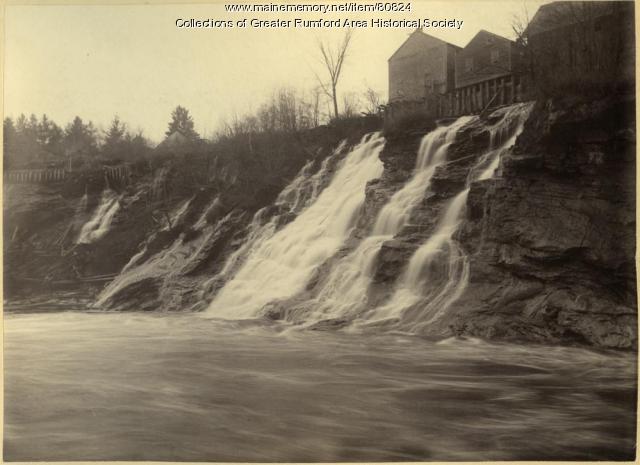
{"x": 373, "y": 101}
{"x": 333, "y": 60}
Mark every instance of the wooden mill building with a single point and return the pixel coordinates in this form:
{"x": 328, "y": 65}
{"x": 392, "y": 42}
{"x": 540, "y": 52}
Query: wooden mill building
{"x": 449, "y": 80}
{"x": 586, "y": 42}
{"x": 422, "y": 66}
{"x": 566, "y": 45}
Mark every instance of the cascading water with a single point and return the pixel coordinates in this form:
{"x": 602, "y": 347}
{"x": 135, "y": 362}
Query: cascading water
{"x": 432, "y": 152}
{"x": 100, "y": 222}
{"x": 438, "y": 271}
{"x": 346, "y": 288}
{"x": 281, "y": 265}
{"x": 173, "y": 259}
{"x": 298, "y": 194}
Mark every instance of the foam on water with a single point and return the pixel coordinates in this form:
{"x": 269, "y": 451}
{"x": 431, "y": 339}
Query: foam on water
{"x": 282, "y": 264}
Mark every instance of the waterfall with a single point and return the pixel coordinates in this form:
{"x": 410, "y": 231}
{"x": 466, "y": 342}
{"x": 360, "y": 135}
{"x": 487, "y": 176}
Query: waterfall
{"x": 141, "y": 266}
{"x": 281, "y": 265}
{"x": 346, "y": 288}
{"x": 177, "y": 215}
{"x": 438, "y": 271}
{"x": 100, "y": 222}
{"x": 296, "y": 196}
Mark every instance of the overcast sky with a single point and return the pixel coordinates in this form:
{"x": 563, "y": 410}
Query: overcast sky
{"x": 98, "y": 61}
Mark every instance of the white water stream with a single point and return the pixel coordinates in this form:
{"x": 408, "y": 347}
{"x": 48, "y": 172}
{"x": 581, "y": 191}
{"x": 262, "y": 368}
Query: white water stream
{"x": 100, "y": 222}
{"x": 346, "y": 288}
{"x": 280, "y": 266}
{"x": 438, "y": 271}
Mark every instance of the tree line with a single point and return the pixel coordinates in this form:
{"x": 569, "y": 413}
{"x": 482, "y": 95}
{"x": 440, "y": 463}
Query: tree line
{"x": 37, "y": 142}
{"x": 32, "y": 141}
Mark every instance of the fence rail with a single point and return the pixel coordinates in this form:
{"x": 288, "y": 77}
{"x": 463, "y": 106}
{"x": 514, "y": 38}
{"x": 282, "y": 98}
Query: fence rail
{"x": 34, "y": 176}
{"x": 119, "y": 173}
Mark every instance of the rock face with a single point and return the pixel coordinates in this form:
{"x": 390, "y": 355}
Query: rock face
{"x": 182, "y": 267}
{"x": 171, "y": 232}
{"x": 551, "y": 238}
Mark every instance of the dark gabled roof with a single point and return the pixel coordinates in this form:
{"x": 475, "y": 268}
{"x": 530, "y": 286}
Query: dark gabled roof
{"x": 175, "y": 139}
{"x": 494, "y": 35}
{"x": 420, "y": 31}
{"x": 485, "y": 32}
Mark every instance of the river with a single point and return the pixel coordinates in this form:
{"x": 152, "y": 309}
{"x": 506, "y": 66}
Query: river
{"x": 107, "y": 386}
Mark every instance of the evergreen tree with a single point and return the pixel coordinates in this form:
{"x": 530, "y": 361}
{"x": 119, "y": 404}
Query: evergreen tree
{"x": 181, "y": 121}
{"x": 115, "y": 139}
{"x": 49, "y": 136}
{"x": 80, "y": 138}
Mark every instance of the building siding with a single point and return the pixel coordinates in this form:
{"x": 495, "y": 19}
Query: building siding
{"x": 490, "y": 56}
{"x": 419, "y": 67}
{"x": 581, "y": 41}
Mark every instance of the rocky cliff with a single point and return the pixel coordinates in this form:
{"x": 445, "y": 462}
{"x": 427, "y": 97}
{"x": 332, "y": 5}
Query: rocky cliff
{"x": 551, "y": 239}
{"x": 548, "y": 241}
{"x": 173, "y": 222}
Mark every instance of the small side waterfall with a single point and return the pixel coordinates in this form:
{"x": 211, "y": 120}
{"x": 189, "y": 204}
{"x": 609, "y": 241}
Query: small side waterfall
{"x": 432, "y": 152}
{"x": 346, "y": 288}
{"x": 438, "y": 271}
{"x": 281, "y": 265}
{"x": 100, "y": 222}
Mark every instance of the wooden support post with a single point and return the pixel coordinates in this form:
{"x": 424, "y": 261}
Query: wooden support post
{"x": 472, "y": 98}
{"x": 512, "y": 89}
{"x": 487, "y": 95}
{"x": 467, "y": 101}
{"x": 465, "y": 104}
{"x": 494, "y": 84}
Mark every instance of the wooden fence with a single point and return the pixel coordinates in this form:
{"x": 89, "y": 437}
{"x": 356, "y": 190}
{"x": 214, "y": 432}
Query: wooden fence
{"x": 119, "y": 174}
{"x": 35, "y": 176}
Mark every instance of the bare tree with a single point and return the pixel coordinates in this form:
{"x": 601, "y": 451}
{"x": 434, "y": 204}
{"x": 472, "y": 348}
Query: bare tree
{"x": 333, "y": 61}
{"x": 372, "y": 99}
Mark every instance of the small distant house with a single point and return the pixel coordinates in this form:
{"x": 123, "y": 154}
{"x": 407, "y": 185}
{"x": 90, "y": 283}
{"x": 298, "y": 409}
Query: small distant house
{"x": 174, "y": 140}
{"x": 569, "y": 41}
{"x": 177, "y": 143}
{"x": 422, "y": 66}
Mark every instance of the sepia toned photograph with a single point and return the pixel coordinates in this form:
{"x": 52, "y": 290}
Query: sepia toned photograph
{"x": 320, "y": 231}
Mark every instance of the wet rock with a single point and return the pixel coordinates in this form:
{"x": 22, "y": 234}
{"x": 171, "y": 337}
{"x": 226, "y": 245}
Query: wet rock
{"x": 551, "y": 240}
{"x": 329, "y": 324}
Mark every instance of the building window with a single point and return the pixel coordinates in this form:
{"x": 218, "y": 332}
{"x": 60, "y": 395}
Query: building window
{"x": 495, "y": 56}
{"x": 468, "y": 65}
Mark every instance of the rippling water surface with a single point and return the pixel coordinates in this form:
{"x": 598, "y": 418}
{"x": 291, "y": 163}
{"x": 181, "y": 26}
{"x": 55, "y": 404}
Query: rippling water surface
{"x": 81, "y": 386}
